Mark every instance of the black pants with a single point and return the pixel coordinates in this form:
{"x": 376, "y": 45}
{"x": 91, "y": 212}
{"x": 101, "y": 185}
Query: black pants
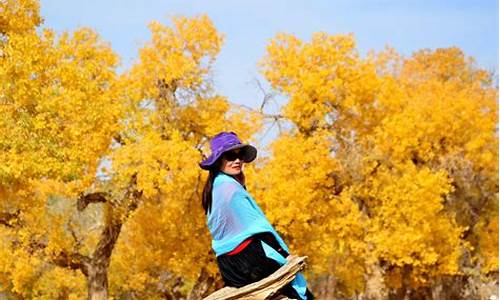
{"x": 251, "y": 265}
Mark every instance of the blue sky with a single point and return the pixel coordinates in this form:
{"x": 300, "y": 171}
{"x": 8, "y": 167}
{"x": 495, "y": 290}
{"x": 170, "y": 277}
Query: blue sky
{"x": 248, "y": 25}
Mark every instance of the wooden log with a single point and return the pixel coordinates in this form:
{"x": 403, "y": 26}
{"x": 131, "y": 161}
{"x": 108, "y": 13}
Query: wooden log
{"x": 266, "y": 288}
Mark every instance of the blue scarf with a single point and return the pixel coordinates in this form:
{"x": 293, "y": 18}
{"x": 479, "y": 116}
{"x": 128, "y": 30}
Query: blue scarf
{"x": 235, "y": 216}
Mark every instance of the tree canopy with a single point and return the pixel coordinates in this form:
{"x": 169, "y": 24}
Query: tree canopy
{"x": 386, "y": 174}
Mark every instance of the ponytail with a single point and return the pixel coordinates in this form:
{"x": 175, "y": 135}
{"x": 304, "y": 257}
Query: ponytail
{"x": 206, "y": 198}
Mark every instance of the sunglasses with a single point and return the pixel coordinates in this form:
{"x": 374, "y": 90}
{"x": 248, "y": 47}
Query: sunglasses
{"x": 232, "y": 155}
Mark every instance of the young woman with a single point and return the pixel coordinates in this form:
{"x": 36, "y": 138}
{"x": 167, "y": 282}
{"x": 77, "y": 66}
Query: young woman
{"x": 247, "y": 247}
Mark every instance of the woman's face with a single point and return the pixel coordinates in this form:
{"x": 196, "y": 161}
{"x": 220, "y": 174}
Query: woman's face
{"x": 232, "y": 162}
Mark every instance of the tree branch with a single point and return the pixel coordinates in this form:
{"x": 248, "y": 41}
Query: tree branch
{"x": 111, "y": 231}
{"x": 78, "y": 242}
{"x": 6, "y": 218}
{"x": 119, "y": 139}
{"x": 86, "y": 199}
{"x": 274, "y": 117}
{"x": 74, "y": 261}
{"x": 267, "y": 96}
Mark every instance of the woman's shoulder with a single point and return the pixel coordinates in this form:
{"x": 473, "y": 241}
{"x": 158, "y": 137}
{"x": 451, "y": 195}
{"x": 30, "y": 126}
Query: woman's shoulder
{"x": 223, "y": 178}
{"x": 227, "y": 184}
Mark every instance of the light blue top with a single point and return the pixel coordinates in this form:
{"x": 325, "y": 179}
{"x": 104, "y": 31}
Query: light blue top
{"x": 235, "y": 216}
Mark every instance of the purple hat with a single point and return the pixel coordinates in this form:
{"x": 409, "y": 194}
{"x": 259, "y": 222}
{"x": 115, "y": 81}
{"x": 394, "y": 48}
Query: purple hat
{"x": 224, "y": 142}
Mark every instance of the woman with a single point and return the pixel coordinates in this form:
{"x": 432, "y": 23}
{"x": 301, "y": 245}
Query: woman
{"x": 247, "y": 247}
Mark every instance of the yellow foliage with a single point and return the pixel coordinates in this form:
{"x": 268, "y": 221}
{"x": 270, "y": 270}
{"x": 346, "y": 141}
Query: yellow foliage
{"x": 58, "y": 104}
{"x": 179, "y": 57}
{"x": 389, "y": 162}
{"x": 299, "y": 199}
{"x": 488, "y": 244}
{"x": 409, "y": 226}
{"x": 173, "y": 112}
{"x": 59, "y": 283}
{"x": 408, "y": 144}
{"x": 19, "y": 16}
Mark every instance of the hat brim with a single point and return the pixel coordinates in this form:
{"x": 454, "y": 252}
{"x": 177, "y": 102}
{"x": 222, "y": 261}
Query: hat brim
{"x": 250, "y": 153}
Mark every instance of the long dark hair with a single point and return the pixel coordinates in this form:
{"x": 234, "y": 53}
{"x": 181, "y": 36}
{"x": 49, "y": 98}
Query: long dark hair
{"x": 206, "y": 198}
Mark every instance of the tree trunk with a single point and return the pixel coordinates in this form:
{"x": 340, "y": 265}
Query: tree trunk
{"x": 95, "y": 268}
{"x": 324, "y": 287}
{"x": 97, "y": 283}
{"x": 202, "y": 286}
{"x": 375, "y": 288}
{"x": 97, "y": 278}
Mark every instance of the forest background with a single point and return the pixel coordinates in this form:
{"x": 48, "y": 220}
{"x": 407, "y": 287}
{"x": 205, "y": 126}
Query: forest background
{"x": 382, "y": 168}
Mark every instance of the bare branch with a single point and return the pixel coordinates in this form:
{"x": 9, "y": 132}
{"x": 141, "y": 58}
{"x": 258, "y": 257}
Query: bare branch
{"x": 269, "y": 129}
{"x": 267, "y": 96}
{"x": 266, "y": 116}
